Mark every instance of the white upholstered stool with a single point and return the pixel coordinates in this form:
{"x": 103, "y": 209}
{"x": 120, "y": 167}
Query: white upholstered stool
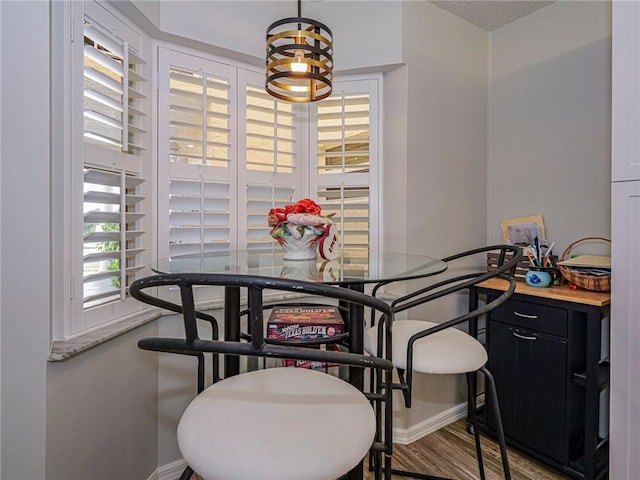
{"x": 277, "y": 423}
{"x": 449, "y": 351}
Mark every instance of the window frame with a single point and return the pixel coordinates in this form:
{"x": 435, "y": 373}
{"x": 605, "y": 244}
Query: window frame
{"x": 73, "y": 154}
{"x": 70, "y": 320}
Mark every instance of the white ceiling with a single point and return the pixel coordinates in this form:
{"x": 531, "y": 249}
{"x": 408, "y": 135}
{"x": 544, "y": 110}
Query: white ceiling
{"x": 491, "y": 14}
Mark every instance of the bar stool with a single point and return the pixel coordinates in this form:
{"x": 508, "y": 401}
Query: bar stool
{"x": 277, "y": 423}
{"x": 439, "y": 348}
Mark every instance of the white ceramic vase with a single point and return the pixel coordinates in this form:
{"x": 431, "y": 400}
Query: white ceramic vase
{"x": 300, "y": 270}
{"x": 301, "y": 249}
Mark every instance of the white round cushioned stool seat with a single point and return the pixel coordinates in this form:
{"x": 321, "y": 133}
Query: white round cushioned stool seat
{"x": 447, "y": 351}
{"x": 276, "y": 424}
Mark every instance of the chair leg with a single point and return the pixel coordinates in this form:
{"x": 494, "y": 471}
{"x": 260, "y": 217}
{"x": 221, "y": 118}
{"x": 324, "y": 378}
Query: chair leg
{"x": 405, "y": 388}
{"x": 471, "y": 413}
{"x": 187, "y": 474}
{"x": 200, "y": 373}
{"x": 472, "y": 408}
{"x": 498, "y": 418}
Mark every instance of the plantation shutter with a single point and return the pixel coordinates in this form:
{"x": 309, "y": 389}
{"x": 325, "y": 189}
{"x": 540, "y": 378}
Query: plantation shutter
{"x": 196, "y": 180}
{"x": 270, "y": 174}
{"x": 261, "y": 199}
{"x": 347, "y": 154}
{"x": 112, "y": 247}
{"x": 270, "y": 133}
{"x": 351, "y": 208}
{"x": 198, "y": 216}
{"x": 113, "y": 89}
{"x": 114, "y": 106}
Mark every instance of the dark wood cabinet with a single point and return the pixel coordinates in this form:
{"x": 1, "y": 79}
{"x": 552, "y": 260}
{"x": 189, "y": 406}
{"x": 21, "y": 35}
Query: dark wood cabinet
{"x": 549, "y": 358}
{"x": 528, "y": 406}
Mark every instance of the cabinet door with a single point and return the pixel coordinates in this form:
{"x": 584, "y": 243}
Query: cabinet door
{"x": 625, "y": 331}
{"x": 625, "y": 114}
{"x": 530, "y": 370}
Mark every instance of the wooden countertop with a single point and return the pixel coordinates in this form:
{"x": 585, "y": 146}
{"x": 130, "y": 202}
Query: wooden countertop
{"x": 562, "y": 292}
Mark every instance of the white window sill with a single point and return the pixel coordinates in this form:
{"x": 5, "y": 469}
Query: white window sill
{"x": 65, "y": 349}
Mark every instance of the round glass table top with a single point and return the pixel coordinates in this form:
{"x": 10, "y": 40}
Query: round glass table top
{"x": 352, "y": 266}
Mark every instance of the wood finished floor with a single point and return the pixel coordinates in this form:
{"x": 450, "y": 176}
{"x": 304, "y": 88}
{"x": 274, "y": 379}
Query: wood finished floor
{"x": 450, "y": 452}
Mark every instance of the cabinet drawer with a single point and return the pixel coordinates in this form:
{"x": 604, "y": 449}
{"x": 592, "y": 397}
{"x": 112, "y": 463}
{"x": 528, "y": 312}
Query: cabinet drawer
{"x": 532, "y": 316}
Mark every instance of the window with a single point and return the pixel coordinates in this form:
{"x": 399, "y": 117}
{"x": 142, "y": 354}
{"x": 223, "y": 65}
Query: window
{"x": 197, "y": 154}
{"x": 346, "y": 148}
{"x": 108, "y": 166}
{"x": 254, "y": 154}
{"x": 271, "y": 177}
{"x": 227, "y": 152}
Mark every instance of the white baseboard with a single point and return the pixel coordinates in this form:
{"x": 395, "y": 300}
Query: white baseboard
{"x": 171, "y": 471}
{"x": 405, "y": 436}
{"x": 153, "y": 476}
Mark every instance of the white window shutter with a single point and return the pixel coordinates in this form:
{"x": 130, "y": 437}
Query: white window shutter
{"x": 345, "y": 179}
{"x": 109, "y": 165}
{"x": 270, "y": 132}
{"x": 269, "y": 168}
{"x": 112, "y": 238}
{"x": 351, "y": 206}
{"x": 261, "y": 199}
{"x": 198, "y": 216}
{"x": 197, "y": 166}
{"x": 114, "y": 86}
{"x": 344, "y": 122}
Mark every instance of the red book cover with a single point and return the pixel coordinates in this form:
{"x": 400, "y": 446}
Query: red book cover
{"x": 306, "y": 322}
{"x": 312, "y": 364}
{"x": 302, "y": 322}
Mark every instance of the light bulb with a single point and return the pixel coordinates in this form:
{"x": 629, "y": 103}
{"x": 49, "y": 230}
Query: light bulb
{"x": 298, "y": 66}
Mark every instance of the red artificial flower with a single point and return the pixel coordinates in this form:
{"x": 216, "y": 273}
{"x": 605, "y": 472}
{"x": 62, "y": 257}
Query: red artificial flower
{"x": 306, "y": 205}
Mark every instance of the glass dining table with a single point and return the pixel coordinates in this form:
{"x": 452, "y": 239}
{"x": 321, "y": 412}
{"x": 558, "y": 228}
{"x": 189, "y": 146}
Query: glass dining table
{"x": 353, "y": 269}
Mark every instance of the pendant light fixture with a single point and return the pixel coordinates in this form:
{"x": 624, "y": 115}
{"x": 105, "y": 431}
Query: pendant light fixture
{"x": 299, "y": 59}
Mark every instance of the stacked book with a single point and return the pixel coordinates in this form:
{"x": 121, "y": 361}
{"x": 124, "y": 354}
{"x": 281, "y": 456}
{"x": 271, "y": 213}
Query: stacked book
{"x": 303, "y": 323}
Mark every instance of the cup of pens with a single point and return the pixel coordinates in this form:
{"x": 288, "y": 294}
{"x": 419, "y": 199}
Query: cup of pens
{"x": 541, "y": 276}
{"x": 542, "y": 271}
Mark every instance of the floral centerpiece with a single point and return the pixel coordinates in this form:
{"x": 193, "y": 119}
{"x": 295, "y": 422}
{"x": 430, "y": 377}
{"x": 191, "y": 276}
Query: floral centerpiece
{"x": 301, "y": 228}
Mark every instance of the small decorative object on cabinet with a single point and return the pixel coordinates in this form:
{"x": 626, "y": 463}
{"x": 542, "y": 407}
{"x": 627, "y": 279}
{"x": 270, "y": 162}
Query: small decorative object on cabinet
{"x": 549, "y": 353}
{"x": 540, "y": 276}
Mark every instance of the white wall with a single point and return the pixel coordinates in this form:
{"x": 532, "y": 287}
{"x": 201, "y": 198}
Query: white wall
{"x": 102, "y": 412}
{"x": 394, "y": 167}
{"x": 550, "y": 120}
{"x": 93, "y": 416}
{"x": 447, "y": 63}
{"x": 241, "y": 26}
{"x": 446, "y": 137}
{"x": 24, "y": 253}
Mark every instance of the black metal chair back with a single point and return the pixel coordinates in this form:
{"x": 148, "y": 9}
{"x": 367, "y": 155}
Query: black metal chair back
{"x": 259, "y": 346}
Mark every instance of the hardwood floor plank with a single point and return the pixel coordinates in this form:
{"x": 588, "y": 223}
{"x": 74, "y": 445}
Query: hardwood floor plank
{"x": 450, "y": 452}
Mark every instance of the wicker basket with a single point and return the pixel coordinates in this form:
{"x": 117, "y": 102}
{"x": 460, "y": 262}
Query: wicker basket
{"x": 596, "y": 283}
